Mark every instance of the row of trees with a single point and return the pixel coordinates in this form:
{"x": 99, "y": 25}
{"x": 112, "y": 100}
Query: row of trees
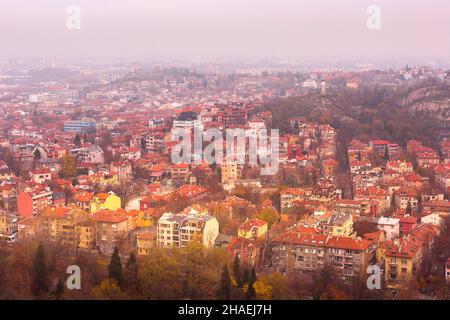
{"x": 39, "y": 272}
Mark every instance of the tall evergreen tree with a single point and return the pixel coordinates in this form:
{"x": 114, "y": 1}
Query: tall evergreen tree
{"x": 251, "y": 293}
{"x": 246, "y": 276}
{"x": 253, "y": 275}
{"x": 115, "y": 268}
{"x": 77, "y": 140}
{"x": 237, "y": 270}
{"x": 131, "y": 274}
{"x": 224, "y": 290}
{"x": 39, "y": 282}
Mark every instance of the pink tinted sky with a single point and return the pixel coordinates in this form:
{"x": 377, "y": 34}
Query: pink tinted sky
{"x": 209, "y": 29}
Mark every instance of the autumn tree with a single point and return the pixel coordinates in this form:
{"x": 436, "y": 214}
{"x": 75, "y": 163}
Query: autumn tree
{"x": 269, "y": 215}
{"x": 69, "y": 168}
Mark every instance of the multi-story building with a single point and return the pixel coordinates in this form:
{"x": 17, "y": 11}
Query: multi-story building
{"x": 85, "y": 231}
{"x": 253, "y": 229}
{"x": 41, "y": 175}
{"x": 291, "y": 195}
{"x": 179, "y": 229}
{"x": 33, "y": 199}
{"x": 105, "y": 201}
{"x": 111, "y": 228}
{"x": 229, "y": 172}
{"x": 92, "y": 154}
{"x": 341, "y": 224}
{"x": 57, "y": 224}
{"x": 390, "y": 226}
{"x": 79, "y": 126}
{"x": 8, "y": 224}
{"x": 144, "y": 242}
{"x": 346, "y": 257}
{"x": 407, "y": 199}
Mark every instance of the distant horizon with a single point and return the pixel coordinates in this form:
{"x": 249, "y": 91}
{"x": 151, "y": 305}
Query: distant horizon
{"x": 201, "y": 30}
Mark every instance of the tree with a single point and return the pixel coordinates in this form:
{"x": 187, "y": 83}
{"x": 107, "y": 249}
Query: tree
{"x": 251, "y": 293}
{"x": 69, "y": 168}
{"x": 59, "y": 290}
{"x": 108, "y": 290}
{"x": 237, "y": 270}
{"x": 246, "y": 276}
{"x": 39, "y": 284}
{"x": 269, "y": 215}
{"x": 115, "y": 268}
{"x": 224, "y": 290}
{"x": 77, "y": 141}
{"x": 131, "y": 274}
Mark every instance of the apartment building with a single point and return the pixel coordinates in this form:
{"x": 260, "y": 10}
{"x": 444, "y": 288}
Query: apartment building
{"x": 8, "y": 224}
{"x": 92, "y": 154}
{"x": 177, "y": 230}
{"x": 33, "y": 199}
{"x": 310, "y": 252}
{"x": 111, "y": 227}
{"x": 57, "y": 224}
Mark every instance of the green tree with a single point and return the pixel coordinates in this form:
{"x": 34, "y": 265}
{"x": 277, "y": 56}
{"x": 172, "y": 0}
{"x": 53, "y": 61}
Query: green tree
{"x": 39, "y": 284}
{"x": 237, "y": 270}
{"x": 246, "y": 276}
{"x": 269, "y": 215}
{"x": 251, "y": 293}
{"x": 224, "y": 290}
{"x": 115, "y": 268}
{"x": 77, "y": 141}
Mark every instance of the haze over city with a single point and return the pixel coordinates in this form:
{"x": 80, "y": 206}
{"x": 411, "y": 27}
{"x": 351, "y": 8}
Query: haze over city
{"x": 205, "y": 30}
{"x": 224, "y": 154}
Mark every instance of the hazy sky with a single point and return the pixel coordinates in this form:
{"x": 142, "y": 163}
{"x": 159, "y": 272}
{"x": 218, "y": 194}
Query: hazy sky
{"x": 231, "y": 29}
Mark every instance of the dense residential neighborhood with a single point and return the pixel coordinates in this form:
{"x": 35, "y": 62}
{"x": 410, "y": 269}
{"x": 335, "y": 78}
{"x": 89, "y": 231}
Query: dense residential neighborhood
{"x": 90, "y": 169}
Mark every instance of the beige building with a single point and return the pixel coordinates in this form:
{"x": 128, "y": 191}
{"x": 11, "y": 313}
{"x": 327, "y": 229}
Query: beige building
{"x": 111, "y": 227}
{"x": 177, "y": 230}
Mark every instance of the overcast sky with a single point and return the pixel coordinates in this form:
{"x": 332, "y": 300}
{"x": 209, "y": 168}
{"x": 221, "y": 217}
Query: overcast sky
{"x": 231, "y": 29}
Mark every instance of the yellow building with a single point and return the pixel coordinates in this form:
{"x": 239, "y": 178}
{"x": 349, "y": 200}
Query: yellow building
{"x": 104, "y": 178}
{"x": 341, "y": 224}
{"x": 58, "y": 223}
{"x": 102, "y": 201}
{"x": 144, "y": 242}
{"x": 253, "y": 229}
{"x": 400, "y": 267}
{"x": 229, "y": 172}
{"x": 85, "y": 231}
